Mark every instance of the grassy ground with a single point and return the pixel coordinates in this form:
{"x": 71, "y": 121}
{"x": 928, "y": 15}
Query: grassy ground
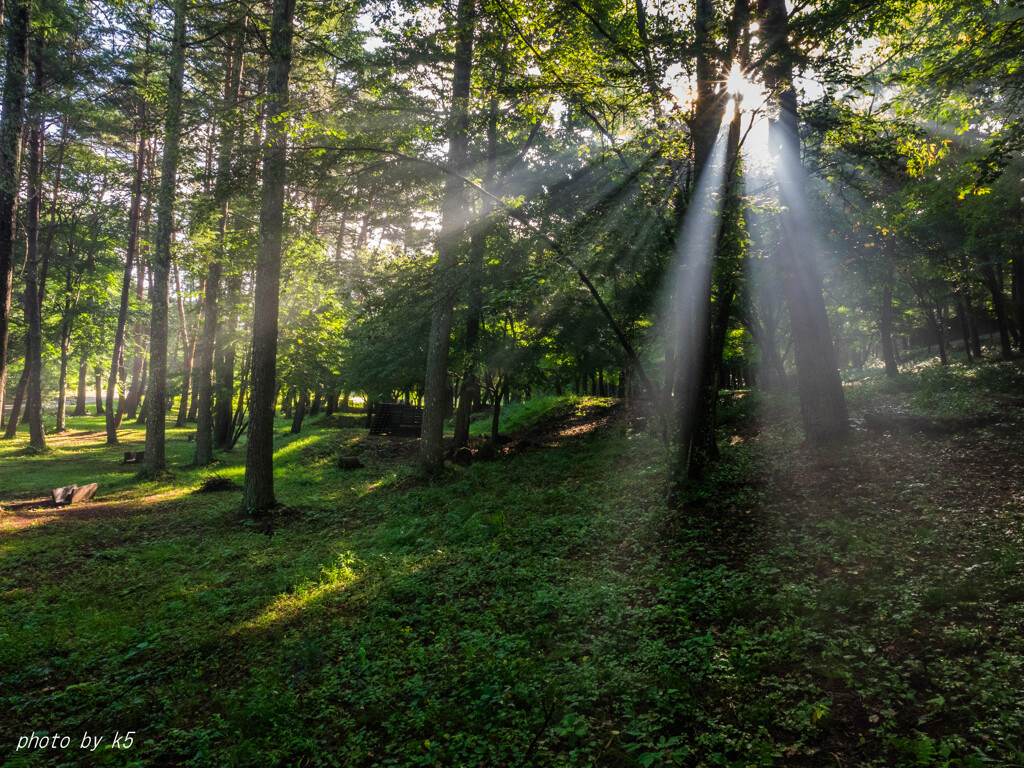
{"x": 857, "y": 605}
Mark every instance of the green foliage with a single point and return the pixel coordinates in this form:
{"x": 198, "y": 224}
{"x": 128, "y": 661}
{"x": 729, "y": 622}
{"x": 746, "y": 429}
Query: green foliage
{"x": 946, "y": 392}
{"x": 539, "y": 411}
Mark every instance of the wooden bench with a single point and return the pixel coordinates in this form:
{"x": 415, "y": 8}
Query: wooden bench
{"x": 396, "y": 420}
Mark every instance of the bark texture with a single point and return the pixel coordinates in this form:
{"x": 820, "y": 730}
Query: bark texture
{"x": 66, "y": 327}
{"x": 258, "y": 492}
{"x": 885, "y": 324}
{"x": 221, "y": 193}
{"x": 452, "y": 229}
{"x": 155, "y": 461}
{"x": 80, "y": 394}
{"x": 822, "y": 402}
{"x": 33, "y": 295}
{"x": 225, "y": 384}
{"x": 114, "y": 410}
{"x": 12, "y": 119}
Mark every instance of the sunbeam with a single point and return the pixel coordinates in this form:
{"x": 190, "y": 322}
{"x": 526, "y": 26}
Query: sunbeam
{"x": 682, "y": 309}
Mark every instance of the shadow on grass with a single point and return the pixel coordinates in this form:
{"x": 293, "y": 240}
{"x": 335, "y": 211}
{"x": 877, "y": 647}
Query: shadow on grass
{"x": 443, "y": 618}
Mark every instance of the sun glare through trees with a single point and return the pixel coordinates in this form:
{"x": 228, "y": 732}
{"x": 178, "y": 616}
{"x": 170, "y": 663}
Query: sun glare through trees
{"x": 512, "y": 383}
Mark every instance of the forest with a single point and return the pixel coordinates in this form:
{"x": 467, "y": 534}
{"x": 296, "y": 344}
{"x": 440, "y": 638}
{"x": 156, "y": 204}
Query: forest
{"x": 510, "y": 383}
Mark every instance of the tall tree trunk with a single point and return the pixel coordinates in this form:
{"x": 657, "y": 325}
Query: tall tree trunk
{"x": 885, "y": 324}
{"x": 942, "y": 324}
{"x": 143, "y": 386}
{"x": 764, "y": 332}
{"x": 65, "y": 349}
{"x": 687, "y": 340}
{"x": 972, "y": 318}
{"x": 701, "y": 440}
{"x": 65, "y": 352}
{"x": 822, "y": 402}
{"x": 300, "y": 411}
{"x": 226, "y": 364}
{"x": 98, "y": 372}
{"x": 238, "y": 423}
{"x": 933, "y": 318}
{"x": 258, "y": 492}
{"x": 221, "y": 195}
{"x": 155, "y": 461}
{"x": 698, "y": 382}
{"x": 193, "y": 402}
{"x": 992, "y": 280}
{"x": 12, "y": 119}
{"x": 80, "y": 395}
{"x": 470, "y": 389}
{"x": 33, "y": 298}
{"x": 187, "y": 361}
{"x": 130, "y": 405}
{"x": 965, "y": 329}
{"x": 500, "y": 391}
{"x": 453, "y": 209}
{"x": 19, "y": 399}
{"x": 114, "y": 410}
{"x": 187, "y": 353}
{"x": 51, "y": 227}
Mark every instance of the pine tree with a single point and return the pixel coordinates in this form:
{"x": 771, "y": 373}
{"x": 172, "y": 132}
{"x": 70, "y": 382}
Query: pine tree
{"x": 258, "y": 492}
{"x": 155, "y": 461}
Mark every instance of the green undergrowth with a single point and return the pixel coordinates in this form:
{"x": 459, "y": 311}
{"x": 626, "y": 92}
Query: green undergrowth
{"x": 942, "y": 392}
{"x": 857, "y": 604}
{"x": 536, "y": 412}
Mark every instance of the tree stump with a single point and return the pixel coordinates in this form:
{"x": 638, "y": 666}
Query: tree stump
{"x": 463, "y": 457}
{"x": 134, "y": 457}
{"x": 62, "y": 496}
{"x": 84, "y": 493}
{"x": 72, "y": 494}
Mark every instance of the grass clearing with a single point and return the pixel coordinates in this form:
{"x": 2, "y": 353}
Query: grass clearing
{"x": 861, "y": 601}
